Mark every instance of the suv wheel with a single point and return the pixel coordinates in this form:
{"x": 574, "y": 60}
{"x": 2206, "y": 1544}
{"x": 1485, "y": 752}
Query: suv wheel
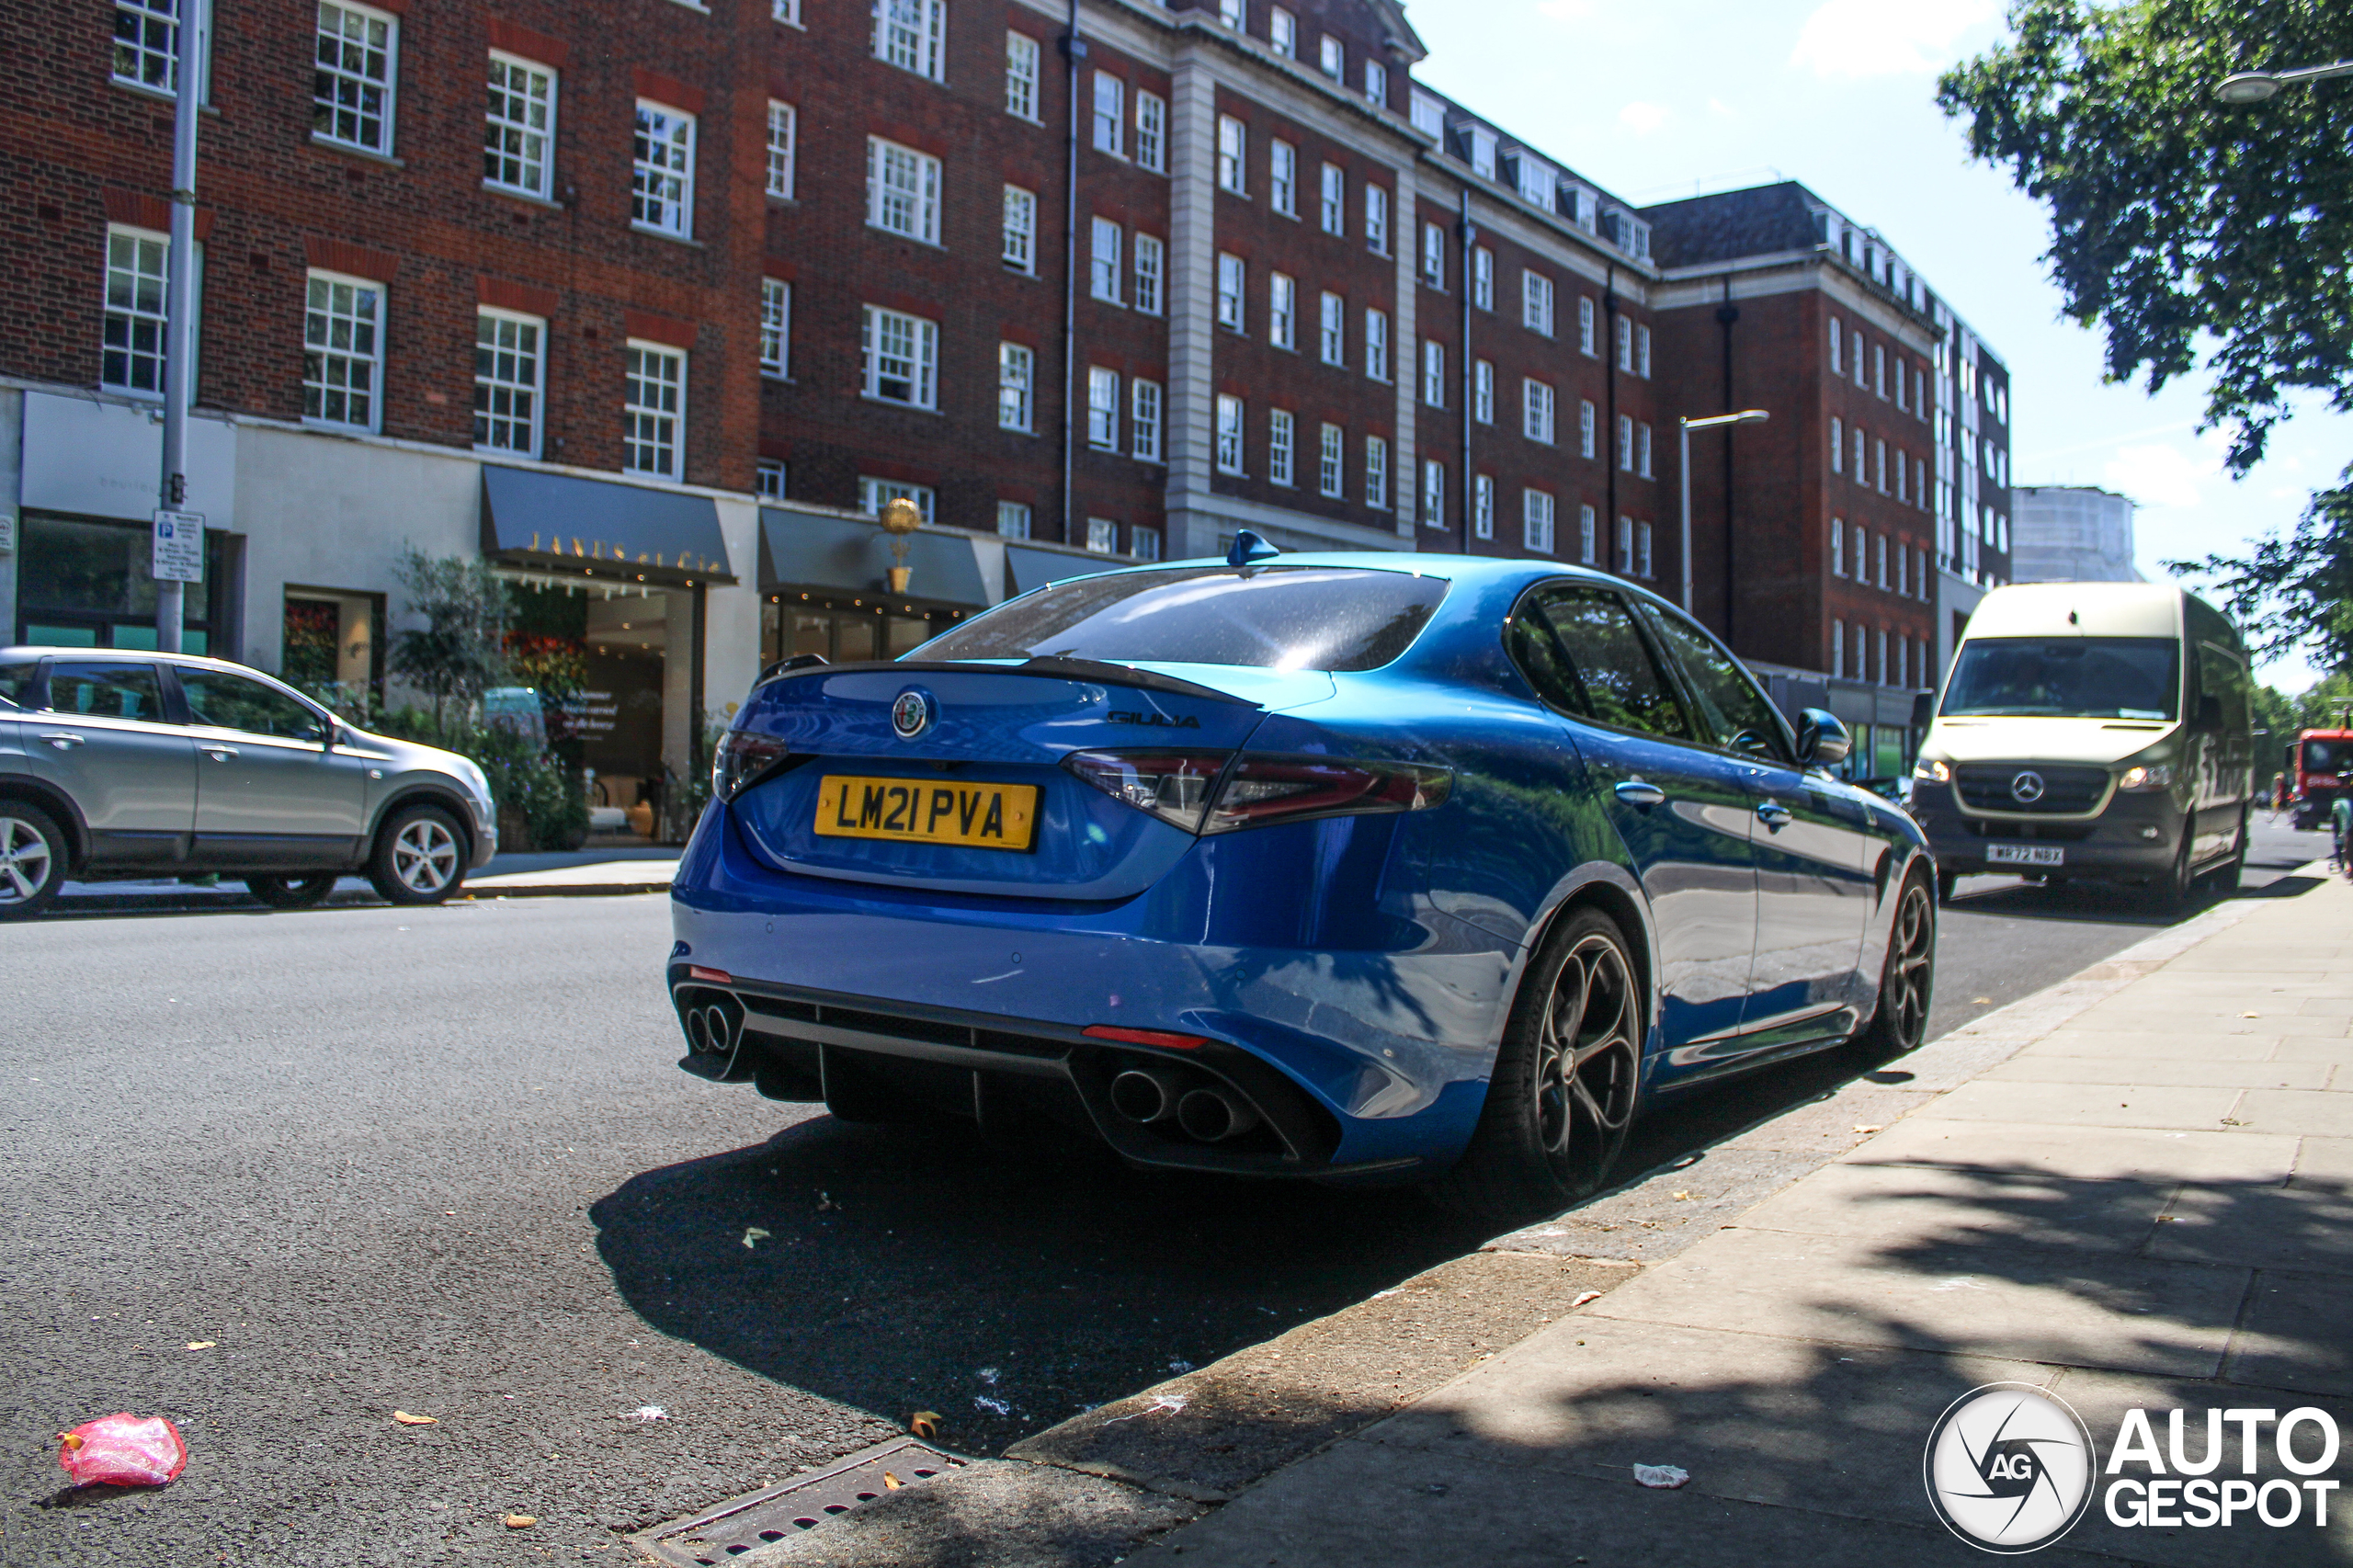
{"x": 1562, "y": 1095}
{"x": 420, "y": 856}
{"x": 32, "y": 859}
{"x": 292, "y": 893}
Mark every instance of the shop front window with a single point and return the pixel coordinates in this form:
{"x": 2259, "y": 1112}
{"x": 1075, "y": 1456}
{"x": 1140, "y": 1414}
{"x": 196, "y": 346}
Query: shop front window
{"x": 87, "y": 585}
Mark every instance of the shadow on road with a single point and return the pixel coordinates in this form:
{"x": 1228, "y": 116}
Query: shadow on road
{"x": 897, "y": 1270}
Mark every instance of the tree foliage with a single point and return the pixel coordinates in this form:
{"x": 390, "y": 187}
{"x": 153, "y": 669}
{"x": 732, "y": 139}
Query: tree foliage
{"x": 461, "y": 650}
{"x": 2294, "y": 592}
{"x": 2184, "y": 227}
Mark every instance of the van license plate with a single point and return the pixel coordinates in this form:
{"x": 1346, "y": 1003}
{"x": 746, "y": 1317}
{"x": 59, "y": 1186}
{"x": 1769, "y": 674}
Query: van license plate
{"x": 2025, "y": 854}
{"x": 917, "y": 811}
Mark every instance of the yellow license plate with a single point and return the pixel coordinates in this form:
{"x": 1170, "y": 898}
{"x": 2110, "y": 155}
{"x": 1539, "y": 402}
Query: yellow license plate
{"x": 915, "y": 811}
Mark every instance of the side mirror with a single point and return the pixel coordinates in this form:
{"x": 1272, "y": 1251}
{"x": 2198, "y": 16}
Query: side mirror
{"x": 1823, "y": 741}
{"x": 1924, "y": 710}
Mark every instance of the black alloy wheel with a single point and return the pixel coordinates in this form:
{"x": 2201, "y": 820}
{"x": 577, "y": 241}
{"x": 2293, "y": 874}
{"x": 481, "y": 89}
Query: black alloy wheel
{"x": 32, "y": 861}
{"x": 1563, "y": 1092}
{"x": 292, "y": 893}
{"x": 1907, "y": 985}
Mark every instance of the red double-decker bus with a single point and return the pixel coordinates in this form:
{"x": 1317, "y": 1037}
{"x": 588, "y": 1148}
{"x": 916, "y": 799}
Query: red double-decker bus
{"x": 2319, "y": 769}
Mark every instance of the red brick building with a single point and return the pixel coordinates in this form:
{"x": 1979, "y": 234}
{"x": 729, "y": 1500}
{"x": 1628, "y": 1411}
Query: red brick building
{"x": 652, "y": 304}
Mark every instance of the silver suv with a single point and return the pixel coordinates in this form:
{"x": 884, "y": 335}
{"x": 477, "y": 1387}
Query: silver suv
{"x": 117, "y": 765}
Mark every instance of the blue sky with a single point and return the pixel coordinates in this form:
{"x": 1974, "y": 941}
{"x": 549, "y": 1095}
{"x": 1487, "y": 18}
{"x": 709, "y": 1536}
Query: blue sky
{"x": 1668, "y": 97}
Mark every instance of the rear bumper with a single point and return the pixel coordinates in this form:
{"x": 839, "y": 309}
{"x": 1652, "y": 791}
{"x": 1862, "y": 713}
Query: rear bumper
{"x": 1363, "y": 1060}
{"x": 2134, "y": 839}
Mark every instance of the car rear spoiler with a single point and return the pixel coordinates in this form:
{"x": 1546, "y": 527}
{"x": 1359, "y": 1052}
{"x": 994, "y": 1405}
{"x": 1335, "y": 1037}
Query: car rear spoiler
{"x": 1100, "y": 672}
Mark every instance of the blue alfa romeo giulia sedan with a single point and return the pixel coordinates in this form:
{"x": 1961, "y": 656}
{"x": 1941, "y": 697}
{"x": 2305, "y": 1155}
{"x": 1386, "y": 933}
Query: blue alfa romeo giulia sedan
{"x": 1344, "y": 866}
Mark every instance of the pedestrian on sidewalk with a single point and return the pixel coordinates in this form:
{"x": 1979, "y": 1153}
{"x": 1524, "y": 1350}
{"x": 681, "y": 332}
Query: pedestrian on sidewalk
{"x": 2340, "y": 823}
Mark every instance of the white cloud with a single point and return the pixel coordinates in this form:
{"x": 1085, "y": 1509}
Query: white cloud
{"x": 2160, "y": 476}
{"x": 1855, "y": 38}
{"x": 1569, "y": 10}
{"x": 1641, "y": 117}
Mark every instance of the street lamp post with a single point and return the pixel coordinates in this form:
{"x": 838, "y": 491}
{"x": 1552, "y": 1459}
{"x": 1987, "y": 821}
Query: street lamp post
{"x": 1683, "y": 437}
{"x": 2254, "y": 87}
{"x": 179, "y": 313}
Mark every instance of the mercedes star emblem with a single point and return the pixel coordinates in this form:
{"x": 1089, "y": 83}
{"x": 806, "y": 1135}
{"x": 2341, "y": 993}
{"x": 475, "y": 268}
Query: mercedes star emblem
{"x": 2027, "y": 788}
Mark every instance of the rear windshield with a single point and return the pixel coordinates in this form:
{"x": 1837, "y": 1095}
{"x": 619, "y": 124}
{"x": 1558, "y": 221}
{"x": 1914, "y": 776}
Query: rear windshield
{"x": 1281, "y": 618}
{"x": 2076, "y": 677}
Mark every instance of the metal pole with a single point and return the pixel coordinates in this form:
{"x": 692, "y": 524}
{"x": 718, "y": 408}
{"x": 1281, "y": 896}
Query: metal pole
{"x": 179, "y": 304}
{"x": 1682, "y": 466}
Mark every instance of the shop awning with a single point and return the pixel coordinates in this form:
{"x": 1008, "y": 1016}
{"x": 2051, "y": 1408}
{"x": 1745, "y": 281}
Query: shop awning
{"x": 813, "y": 549}
{"x": 562, "y": 520}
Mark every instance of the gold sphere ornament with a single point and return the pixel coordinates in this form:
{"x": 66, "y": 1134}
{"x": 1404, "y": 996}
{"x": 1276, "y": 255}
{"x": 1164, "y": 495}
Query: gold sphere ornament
{"x": 901, "y": 517}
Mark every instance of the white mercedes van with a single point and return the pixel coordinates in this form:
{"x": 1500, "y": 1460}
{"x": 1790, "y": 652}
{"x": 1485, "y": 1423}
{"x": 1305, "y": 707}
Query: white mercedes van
{"x": 2092, "y": 732}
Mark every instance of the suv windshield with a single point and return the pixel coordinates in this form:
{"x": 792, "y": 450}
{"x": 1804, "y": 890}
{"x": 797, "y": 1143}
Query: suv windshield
{"x": 1282, "y": 617}
{"x": 2076, "y": 677}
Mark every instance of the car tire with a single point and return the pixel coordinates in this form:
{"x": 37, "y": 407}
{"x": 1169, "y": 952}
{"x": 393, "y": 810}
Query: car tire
{"x": 32, "y": 861}
{"x": 420, "y": 856}
{"x": 1908, "y": 982}
{"x": 292, "y": 892}
{"x": 1565, "y": 1082}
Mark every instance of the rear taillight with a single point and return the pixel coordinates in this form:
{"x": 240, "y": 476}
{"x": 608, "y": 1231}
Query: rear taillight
{"x": 1207, "y": 792}
{"x": 742, "y": 757}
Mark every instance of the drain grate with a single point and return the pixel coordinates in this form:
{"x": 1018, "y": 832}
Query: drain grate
{"x": 722, "y": 1533}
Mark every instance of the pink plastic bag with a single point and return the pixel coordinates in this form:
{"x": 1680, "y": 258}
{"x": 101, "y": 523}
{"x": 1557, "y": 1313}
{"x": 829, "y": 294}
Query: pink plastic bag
{"x": 122, "y": 1450}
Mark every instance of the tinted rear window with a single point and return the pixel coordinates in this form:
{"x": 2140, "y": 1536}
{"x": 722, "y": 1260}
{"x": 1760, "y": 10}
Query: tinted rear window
{"x": 1283, "y": 618}
{"x": 17, "y": 680}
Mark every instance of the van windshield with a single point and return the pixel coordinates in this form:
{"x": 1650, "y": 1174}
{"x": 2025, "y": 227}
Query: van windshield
{"x": 2076, "y": 677}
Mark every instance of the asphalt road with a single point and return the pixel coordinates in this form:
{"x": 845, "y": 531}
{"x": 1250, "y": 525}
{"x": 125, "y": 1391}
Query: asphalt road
{"x": 439, "y": 1160}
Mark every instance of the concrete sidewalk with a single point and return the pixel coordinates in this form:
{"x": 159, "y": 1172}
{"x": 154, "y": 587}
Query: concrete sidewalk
{"x": 2134, "y": 1190}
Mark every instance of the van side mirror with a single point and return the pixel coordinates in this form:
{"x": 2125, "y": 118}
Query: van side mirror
{"x": 1823, "y": 741}
{"x": 1924, "y": 710}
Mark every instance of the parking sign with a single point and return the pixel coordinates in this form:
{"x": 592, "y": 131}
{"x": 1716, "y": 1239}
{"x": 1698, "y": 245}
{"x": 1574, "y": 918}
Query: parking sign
{"x": 179, "y": 546}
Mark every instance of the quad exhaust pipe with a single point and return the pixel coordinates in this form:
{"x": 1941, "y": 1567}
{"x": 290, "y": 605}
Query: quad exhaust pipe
{"x": 1208, "y": 1113}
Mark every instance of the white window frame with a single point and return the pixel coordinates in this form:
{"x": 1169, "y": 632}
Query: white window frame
{"x": 1642, "y": 351}
{"x": 1588, "y": 428}
{"x": 533, "y": 391}
{"x": 1376, "y": 217}
{"x": 1878, "y": 369}
{"x": 1102, "y": 535}
{"x": 1231, "y": 412}
{"x": 1332, "y": 329}
{"x": 1107, "y": 113}
{"x": 1282, "y": 311}
{"x": 1838, "y": 546}
{"x": 1145, "y": 412}
{"x": 1483, "y": 277}
{"x": 323, "y": 385}
{"x": 1433, "y": 493}
{"x": 1013, "y": 519}
{"x": 1282, "y": 434}
{"x": 1837, "y": 650}
{"x": 913, "y": 35}
{"x": 1838, "y": 352}
{"x": 1282, "y": 177}
{"x": 1642, "y": 560}
{"x": 1376, "y": 344}
{"x": 922, "y": 364}
{"x": 1588, "y": 536}
{"x": 1376, "y": 82}
{"x": 662, "y": 176}
{"x": 1538, "y": 411}
{"x": 1102, "y": 409}
{"x": 1331, "y": 57}
{"x": 1332, "y": 464}
{"x": 1021, "y": 78}
{"x": 1376, "y": 472}
{"x": 155, "y": 51}
{"x": 784, "y": 137}
{"x": 1233, "y": 155}
{"x": 1837, "y": 446}
{"x": 767, "y": 479}
{"x": 1234, "y": 14}
{"x": 1433, "y": 256}
{"x": 775, "y": 328}
{"x": 649, "y": 426}
{"x": 1623, "y": 560}
{"x": 1625, "y": 334}
{"x": 1332, "y": 211}
{"x": 873, "y": 495}
{"x": 1536, "y": 516}
{"x": 785, "y": 11}
{"x": 1483, "y": 506}
{"x": 1643, "y": 450}
{"x": 1282, "y": 33}
{"x": 1152, "y": 132}
{"x": 142, "y": 313}
{"x": 1536, "y": 297}
{"x": 1152, "y": 272}
{"x": 1433, "y": 372}
{"x": 1143, "y": 542}
{"x": 1625, "y": 443}
{"x": 890, "y": 167}
{"x": 1017, "y": 387}
{"x": 1233, "y": 280}
{"x": 1589, "y": 332}
{"x": 1483, "y": 392}
{"x": 1017, "y": 246}
{"x": 1105, "y": 243}
{"x": 517, "y": 143}
{"x": 335, "y": 109}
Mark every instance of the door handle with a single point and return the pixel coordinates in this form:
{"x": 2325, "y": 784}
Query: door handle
{"x": 63, "y": 740}
{"x": 218, "y": 753}
{"x": 1636, "y": 793}
{"x": 1772, "y": 813}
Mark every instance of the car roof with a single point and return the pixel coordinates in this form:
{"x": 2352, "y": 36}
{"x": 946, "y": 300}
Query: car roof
{"x": 125, "y": 656}
{"x": 1482, "y": 570}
